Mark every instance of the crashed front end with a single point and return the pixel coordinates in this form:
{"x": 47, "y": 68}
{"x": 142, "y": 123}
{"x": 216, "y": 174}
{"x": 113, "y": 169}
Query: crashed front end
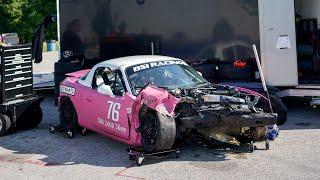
{"x": 225, "y": 114}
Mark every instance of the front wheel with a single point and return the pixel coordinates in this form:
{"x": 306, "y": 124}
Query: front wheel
{"x": 158, "y": 132}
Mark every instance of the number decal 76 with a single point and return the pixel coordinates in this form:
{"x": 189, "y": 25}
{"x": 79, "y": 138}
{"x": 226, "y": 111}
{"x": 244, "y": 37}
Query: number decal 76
{"x": 113, "y": 112}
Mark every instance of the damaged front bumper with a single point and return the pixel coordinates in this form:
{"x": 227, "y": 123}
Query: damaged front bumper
{"x": 228, "y": 123}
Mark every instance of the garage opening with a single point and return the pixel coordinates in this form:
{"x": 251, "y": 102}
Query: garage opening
{"x": 308, "y": 40}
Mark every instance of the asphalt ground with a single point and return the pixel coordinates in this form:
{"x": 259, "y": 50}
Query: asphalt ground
{"x": 36, "y": 154}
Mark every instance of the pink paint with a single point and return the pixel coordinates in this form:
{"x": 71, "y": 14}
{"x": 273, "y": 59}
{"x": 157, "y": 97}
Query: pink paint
{"x": 78, "y": 74}
{"x": 116, "y": 117}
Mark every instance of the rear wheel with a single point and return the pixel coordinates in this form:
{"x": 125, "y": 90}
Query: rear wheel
{"x": 68, "y": 115}
{"x": 158, "y": 132}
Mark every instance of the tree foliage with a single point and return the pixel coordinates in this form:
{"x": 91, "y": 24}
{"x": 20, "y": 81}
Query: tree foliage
{"x": 23, "y": 16}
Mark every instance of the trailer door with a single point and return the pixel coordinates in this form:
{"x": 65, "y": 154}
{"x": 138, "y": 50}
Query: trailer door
{"x": 278, "y": 42}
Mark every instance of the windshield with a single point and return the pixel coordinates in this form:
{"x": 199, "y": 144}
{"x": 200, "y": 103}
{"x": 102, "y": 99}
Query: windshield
{"x": 166, "y": 74}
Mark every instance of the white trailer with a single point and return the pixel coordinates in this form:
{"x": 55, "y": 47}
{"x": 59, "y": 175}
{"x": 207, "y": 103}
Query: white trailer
{"x": 272, "y": 28}
{"x": 278, "y": 43}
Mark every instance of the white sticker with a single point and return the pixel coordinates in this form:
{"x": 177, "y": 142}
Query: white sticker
{"x": 68, "y": 90}
{"x": 284, "y": 42}
{"x": 157, "y": 64}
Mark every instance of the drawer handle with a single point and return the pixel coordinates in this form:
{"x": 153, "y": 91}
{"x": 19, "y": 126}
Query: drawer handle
{"x": 18, "y": 79}
{"x": 19, "y": 95}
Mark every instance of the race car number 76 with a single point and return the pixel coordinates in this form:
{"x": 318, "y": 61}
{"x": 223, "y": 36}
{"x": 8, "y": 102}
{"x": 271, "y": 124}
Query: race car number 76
{"x": 113, "y": 112}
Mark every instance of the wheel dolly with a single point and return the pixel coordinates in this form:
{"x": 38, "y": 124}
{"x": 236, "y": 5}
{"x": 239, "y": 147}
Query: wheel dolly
{"x": 252, "y": 147}
{"x": 139, "y": 155}
{"x": 70, "y": 131}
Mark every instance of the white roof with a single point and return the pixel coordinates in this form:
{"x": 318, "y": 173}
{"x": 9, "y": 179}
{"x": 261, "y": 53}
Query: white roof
{"x": 133, "y": 60}
{"x": 123, "y": 63}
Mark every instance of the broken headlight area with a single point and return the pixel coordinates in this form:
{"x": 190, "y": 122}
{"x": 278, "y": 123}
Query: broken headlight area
{"x": 223, "y": 114}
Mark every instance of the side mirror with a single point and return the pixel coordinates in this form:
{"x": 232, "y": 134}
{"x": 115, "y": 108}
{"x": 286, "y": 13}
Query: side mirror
{"x": 105, "y": 89}
{"x": 199, "y": 73}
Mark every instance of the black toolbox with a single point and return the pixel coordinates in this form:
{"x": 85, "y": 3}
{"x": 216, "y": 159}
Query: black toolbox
{"x": 18, "y": 101}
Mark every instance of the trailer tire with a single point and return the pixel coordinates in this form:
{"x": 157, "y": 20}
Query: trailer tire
{"x": 5, "y": 124}
{"x": 158, "y": 132}
{"x": 31, "y": 117}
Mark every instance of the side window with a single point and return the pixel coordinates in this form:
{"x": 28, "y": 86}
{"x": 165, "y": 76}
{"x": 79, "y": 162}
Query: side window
{"x": 105, "y": 79}
{"x": 102, "y": 76}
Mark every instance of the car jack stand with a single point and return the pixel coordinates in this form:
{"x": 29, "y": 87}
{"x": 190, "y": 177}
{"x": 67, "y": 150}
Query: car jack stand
{"x": 61, "y": 129}
{"x": 139, "y": 155}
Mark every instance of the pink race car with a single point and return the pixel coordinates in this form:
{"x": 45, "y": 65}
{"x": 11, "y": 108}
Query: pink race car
{"x": 157, "y": 102}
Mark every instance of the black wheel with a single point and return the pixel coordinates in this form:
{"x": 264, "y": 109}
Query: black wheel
{"x": 277, "y": 106}
{"x": 280, "y": 109}
{"x": 158, "y": 132}
{"x": 3, "y": 126}
{"x": 139, "y": 160}
{"x": 132, "y": 157}
{"x": 31, "y": 117}
{"x": 68, "y": 116}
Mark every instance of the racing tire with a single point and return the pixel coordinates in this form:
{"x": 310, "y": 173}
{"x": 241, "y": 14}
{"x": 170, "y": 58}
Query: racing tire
{"x": 68, "y": 116}
{"x": 30, "y": 118}
{"x": 158, "y": 132}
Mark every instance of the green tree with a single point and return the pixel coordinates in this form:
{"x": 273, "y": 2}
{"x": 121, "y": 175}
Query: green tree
{"x": 23, "y": 16}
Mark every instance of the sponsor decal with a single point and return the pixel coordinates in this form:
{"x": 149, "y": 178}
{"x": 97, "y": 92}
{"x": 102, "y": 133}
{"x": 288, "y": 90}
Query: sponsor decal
{"x": 112, "y": 121}
{"x": 149, "y": 101}
{"x": 67, "y": 90}
{"x": 112, "y": 125}
{"x": 156, "y": 64}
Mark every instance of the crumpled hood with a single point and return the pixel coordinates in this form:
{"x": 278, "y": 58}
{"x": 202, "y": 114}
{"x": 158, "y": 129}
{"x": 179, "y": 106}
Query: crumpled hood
{"x": 158, "y": 99}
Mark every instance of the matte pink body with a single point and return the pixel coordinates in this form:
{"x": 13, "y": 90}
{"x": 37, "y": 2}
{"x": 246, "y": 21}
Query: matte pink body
{"x": 93, "y": 109}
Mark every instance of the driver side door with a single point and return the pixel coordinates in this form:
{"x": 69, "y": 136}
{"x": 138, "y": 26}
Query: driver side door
{"x": 109, "y": 111}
